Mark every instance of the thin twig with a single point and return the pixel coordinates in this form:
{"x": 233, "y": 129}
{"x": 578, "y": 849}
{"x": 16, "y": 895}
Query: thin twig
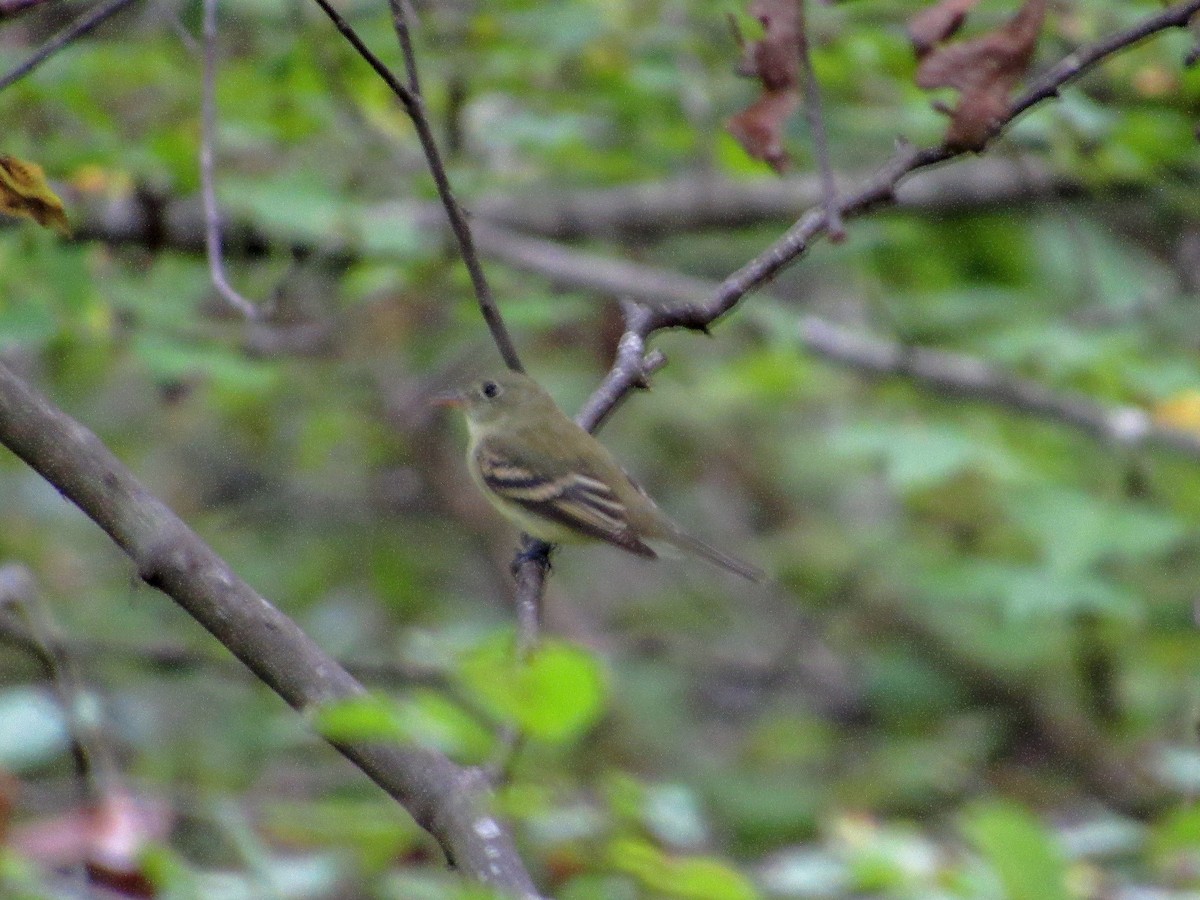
{"x": 20, "y": 601}
{"x": 530, "y": 568}
{"x": 415, "y": 107}
{"x": 881, "y": 189}
{"x": 951, "y": 374}
{"x": 631, "y": 368}
{"x": 400, "y": 14}
{"x": 68, "y": 35}
{"x": 813, "y": 114}
{"x": 208, "y": 188}
{"x": 532, "y": 562}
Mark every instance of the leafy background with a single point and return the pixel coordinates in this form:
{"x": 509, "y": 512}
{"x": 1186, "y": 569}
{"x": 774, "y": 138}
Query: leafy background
{"x": 976, "y": 673}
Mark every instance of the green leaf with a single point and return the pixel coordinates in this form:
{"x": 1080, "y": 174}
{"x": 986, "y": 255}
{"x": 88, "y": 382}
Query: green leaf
{"x": 692, "y": 877}
{"x": 367, "y": 718}
{"x": 554, "y": 695}
{"x": 426, "y": 718}
{"x": 1176, "y": 839}
{"x": 921, "y": 456}
{"x": 1029, "y": 862}
{"x": 1076, "y": 530}
{"x": 1028, "y": 590}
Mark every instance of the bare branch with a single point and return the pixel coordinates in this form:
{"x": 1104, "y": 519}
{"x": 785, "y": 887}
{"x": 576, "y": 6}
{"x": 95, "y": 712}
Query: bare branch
{"x": 640, "y": 211}
{"x": 701, "y": 201}
{"x": 208, "y": 189}
{"x": 178, "y": 657}
{"x": 532, "y": 561}
{"x": 631, "y": 369}
{"x": 410, "y": 97}
{"x": 881, "y": 188}
{"x": 811, "y": 90}
{"x": 400, "y": 13}
{"x": 19, "y": 601}
{"x": 945, "y": 373}
{"x": 68, "y": 35}
{"x": 448, "y": 801}
{"x": 966, "y": 377}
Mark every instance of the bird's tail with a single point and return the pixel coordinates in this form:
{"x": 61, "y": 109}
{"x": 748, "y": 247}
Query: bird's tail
{"x": 686, "y": 542}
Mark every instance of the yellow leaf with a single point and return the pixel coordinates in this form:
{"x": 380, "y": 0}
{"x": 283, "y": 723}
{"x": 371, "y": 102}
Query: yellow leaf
{"x": 1181, "y": 410}
{"x": 24, "y": 192}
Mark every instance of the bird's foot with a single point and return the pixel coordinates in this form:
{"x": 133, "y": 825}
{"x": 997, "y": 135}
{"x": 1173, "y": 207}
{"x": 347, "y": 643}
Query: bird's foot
{"x": 532, "y": 551}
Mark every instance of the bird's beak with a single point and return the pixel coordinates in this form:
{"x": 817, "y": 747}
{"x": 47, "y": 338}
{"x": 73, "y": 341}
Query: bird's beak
{"x": 449, "y": 398}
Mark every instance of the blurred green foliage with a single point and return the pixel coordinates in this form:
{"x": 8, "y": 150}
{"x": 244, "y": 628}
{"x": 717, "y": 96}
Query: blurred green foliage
{"x": 980, "y": 622}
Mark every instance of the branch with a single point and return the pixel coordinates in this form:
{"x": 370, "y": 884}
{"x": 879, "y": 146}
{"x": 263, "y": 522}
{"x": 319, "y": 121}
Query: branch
{"x": 641, "y": 211}
{"x": 19, "y": 600}
{"x": 878, "y": 190}
{"x": 178, "y": 657}
{"x": 410, "y": 98}
{"x": 68, "y": 35}
{"x": 962, "y": 376}
{"x": 697, "y": 202}
{"x": 816, "y": 128}
{"x": 448, "y": 801}
{"x": 946, "y": 373}
{"x": 208, "y": 187}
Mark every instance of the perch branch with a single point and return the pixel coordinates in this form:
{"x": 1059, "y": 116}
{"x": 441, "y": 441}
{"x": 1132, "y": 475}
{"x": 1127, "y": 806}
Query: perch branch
{"x": 449, "y": 801}
{"x": 879, "y": 189}
{"x": 950, "y": 374}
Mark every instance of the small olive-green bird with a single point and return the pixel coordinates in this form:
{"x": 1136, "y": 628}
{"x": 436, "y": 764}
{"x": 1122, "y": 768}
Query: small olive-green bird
{"x": 555, "y": 481}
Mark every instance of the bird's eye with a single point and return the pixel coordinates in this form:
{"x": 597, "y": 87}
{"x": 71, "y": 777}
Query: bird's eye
{"x": 490, "y": 389}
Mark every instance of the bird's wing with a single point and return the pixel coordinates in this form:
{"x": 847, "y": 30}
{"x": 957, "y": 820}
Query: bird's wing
{"x": 576, "y": 499}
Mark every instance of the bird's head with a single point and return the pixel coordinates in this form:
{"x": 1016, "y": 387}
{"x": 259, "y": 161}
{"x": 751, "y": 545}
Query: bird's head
{"x": 496, "y": 398}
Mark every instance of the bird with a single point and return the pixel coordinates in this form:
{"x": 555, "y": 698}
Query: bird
{"x": 555, "y": 481}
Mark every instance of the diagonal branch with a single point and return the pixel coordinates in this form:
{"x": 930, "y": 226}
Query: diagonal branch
{"x": 68, "y": 35}
{"x": 410, "y": 98}
{"x": 955, "y": 375}
{"x": 880, "y": 189}
{"x": 950, "y": 374}
{"x": 811, "y": 89}
{"x": 449, "y": 801}
{"x": 208, "y": 186}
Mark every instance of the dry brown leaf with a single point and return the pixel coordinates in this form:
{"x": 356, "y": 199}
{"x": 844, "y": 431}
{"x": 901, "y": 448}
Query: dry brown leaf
{"x": 776, "y": 58}
{"x": 25, "y": 192}
{"x": 759, "y": 127}
{"x": 984, "y": 71}
{"x": 937, "y": 23}
{"x": 775, "y": 62}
